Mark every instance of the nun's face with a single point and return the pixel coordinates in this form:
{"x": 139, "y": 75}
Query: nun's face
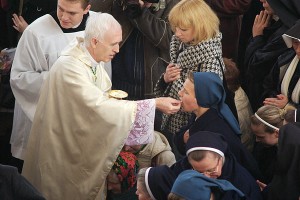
{"x": 210, "y": 166}
{"x": 187, "y": 97}
{"x": 296, "y": 46}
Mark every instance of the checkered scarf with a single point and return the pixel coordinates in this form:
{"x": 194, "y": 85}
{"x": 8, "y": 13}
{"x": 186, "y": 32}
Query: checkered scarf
{"x": 203, "y": 57}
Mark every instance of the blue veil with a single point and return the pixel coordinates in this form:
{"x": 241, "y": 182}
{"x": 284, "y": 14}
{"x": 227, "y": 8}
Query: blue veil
{"x": 210, "y": 93}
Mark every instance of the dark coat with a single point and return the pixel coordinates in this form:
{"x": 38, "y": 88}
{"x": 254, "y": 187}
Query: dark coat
{"x": 229, "y": 13}
{"x": 211, "y": 121}
{"x": 240, "y": 178}
{"x": 260, "y": 56}
{"x": 272, "y": 83}
{"x": 34, "y": 9}
{"x": 14, "y": 186}
{"x": 286, "y": 181}
{"x": 287, "y": 10}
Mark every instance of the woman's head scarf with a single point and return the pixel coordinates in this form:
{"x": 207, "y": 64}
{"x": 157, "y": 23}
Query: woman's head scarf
{"x": 191, "y": 184}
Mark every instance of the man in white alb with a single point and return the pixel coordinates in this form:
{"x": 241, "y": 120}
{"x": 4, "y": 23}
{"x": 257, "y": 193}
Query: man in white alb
{"x": 39, "y": 47}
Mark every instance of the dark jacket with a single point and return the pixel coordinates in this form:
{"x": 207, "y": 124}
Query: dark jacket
{"x": 272, "y": 83}
{"x": 229, "y": 13}
{"x": 211, "y": 121}
{"x": 14, "y": 186}
{"x": 287, "y": 10}
{"x": 260, "y": 56}
{"x": 286, "y": 181}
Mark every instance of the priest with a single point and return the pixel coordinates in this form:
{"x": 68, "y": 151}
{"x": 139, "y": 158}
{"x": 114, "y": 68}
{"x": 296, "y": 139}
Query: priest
{"x": 78, "y": 130}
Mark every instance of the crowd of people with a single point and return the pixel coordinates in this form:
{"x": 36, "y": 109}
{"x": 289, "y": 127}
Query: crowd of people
{"x": 198, "y": 122}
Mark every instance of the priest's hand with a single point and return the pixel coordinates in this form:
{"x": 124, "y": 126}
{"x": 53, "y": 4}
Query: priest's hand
{"x": 167, "y": 105}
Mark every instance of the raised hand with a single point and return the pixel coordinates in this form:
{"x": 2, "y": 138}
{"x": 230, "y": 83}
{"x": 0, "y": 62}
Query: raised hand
{"x": 261, "y": 21}
{"x": 19, "y": 23}
{"x": 172, "y": 73}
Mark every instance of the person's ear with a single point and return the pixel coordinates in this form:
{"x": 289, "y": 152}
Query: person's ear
{"x": 94, "y": 42}
{"x": 277, "y": 133}
{"x": 87, "y": 9}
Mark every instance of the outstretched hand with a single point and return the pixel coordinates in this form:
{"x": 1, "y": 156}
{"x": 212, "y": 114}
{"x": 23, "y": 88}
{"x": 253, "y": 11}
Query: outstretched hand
{"x": 19, "y": 23}
{"x": 168, "y": 105}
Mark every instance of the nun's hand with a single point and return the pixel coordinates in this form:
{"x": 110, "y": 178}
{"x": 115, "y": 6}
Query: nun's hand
{"x": 186, "y": 136}
{"x": 260, "y": 23}
{"x": 261, "y": 185}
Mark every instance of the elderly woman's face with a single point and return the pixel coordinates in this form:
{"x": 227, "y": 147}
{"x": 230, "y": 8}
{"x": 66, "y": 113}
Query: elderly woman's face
{"x": 186, "y": 35}
{"x": 141, "y": 193}
{"x": 113, "y": 183}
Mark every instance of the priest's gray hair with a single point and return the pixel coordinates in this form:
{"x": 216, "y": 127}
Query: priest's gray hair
{"x": 97, "y": 25}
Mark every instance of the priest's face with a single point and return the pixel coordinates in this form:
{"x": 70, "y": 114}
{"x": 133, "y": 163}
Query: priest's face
{"x": 187, "y": 97}
{"x": 104, "y": 50}
{"x": 70, "y": 13}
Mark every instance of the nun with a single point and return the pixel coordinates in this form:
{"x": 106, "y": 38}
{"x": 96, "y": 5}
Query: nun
{"x": 208, "y": 153}
{"x": 282, "y": 86}
{"x": 192, "y": 185}
{"x": 286, "y": 180}
{"x": 155, "y": 183}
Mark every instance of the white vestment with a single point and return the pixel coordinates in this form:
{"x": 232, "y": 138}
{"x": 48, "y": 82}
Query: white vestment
{"x": 78, "y": 131}
{"x": 39, "y": 47}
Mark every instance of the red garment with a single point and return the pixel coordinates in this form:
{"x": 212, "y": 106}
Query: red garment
{"x": 4, "y": 4}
